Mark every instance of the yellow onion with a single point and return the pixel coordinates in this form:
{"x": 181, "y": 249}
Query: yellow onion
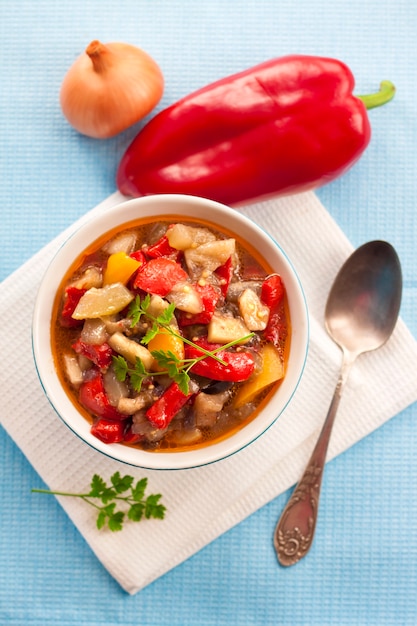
{"x": 110, "y": 87}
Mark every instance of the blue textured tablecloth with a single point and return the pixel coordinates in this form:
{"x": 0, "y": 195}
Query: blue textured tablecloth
{"x": 363, "y": 566}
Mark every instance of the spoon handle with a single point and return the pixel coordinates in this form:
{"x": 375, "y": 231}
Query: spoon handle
{"x": 295, "y": 530}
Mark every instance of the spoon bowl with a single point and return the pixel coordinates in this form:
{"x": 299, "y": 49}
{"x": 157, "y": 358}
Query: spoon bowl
{"x": 363, "y": 303}
{"x": 361, "y": 313}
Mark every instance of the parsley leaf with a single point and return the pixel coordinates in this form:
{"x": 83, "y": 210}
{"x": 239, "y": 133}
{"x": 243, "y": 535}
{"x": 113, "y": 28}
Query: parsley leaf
{"x": 153, "y": 508}
{"x": 136, "y": 512}
{"x": 137, "y": 308}
{"x": 138, "y": 375}
{"x": 183, "y": 380}
{"x": 152, "y": 332}
{"x": 167, "y": 360}
{"x": 97, "y": 486}
{"x": 120, "y": 367}
{"x": 121, "y": 484}
{"x": 115, "y": 521}
{"x": 101, "y": 520}
{"x": 138, "y": 491}
{"x": 166, "y": 316}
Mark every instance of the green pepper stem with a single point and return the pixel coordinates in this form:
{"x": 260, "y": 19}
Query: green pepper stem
{"x": 385, "y": 94}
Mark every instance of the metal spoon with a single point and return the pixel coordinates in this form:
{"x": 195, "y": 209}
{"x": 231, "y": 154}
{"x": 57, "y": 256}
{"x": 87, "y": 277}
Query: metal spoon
{"x": 361, "y": 313}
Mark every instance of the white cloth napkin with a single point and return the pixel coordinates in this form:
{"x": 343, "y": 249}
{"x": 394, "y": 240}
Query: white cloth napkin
{"x": 205, "y": 502}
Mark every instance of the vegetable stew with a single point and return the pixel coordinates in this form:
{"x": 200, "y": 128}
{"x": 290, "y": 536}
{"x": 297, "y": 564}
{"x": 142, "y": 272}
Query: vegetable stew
{"x": 170, "y": 335}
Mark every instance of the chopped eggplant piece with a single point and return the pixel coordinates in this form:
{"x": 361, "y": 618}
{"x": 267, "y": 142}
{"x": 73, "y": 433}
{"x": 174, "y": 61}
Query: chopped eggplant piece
{"x": 104, "y": 301}
{"x": 209, "y": 256}
{"x": 186, "y": 298}
{"x": 131, "y": 350}
{"x": 125, "y": 242}
{"x": 182, "y": 237}
{"x": 226, "y": 328}
{"x": 73, "y": 370}
{"x": 255, "y": 314}
{"x": 92, "y": 277}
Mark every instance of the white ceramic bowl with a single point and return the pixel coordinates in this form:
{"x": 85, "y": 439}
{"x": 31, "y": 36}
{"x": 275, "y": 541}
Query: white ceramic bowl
{"x": 158, "y": 206}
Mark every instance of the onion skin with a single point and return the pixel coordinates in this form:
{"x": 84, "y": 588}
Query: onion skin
{"x": 109, "y": 88}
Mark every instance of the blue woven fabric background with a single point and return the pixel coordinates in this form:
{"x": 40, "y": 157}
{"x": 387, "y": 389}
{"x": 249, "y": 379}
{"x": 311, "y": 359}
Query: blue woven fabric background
{"x": 363, "y": 566}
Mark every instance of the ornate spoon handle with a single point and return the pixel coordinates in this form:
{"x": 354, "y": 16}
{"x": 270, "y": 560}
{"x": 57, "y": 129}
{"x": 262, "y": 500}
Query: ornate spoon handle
{"x": 295, "y": 530}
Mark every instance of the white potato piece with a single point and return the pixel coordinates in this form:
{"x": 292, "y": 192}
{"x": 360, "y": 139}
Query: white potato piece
{"x": 103, "y": 301}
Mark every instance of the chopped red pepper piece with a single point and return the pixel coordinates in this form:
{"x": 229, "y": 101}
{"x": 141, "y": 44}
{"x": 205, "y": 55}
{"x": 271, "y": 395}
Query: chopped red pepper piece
{"x": 284, "y": 126}
{"x": 272, "y": 291}
{"x": 225, "y": 273}
{"x": 167, "y": 406}
{"x": 209, "y": 297}
{"x": 277, "y": 329}
{"x": 108, "y": 431}
{"x": 159, "y": 276}
{"x": 162, "y": 248}
{"x": 138, "y": 256}
{"x": 71, "y": 299}
{"x": 239, "y": 365}
{"x": 92, "y": 396}
{"x": 100, "y": 355}
{"x": 272, "y": 294}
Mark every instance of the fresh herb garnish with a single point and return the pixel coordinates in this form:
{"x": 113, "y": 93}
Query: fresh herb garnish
{"x": 137, "y": 505}
{"x": 169, "y": 364}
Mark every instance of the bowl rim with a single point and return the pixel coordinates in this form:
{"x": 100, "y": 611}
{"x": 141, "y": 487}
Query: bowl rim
{"x": 93, "y": 228}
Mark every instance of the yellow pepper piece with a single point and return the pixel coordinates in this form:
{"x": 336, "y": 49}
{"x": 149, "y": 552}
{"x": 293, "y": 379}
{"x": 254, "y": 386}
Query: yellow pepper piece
{"x": 120, "y": 268}
{"x": 272, "y": 371}
{"x": 164, "y": 341}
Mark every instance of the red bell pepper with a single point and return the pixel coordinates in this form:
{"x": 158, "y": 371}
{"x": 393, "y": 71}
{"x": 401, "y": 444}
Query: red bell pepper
{"x": 272, "y": 291}
{"x": 284, "y": 126}
{"x": 100, "y": 355}
{"x": 72, "y": 297}
{"x": 239, "y": 365}
{"x": 162, "y": 247}
{"x": 272, "y": 294}
{"x": 159, "y": 276}
{"x": 92, "y": 396}
{"x": 138, "y": 256}
{"x": 161, "y": 413}
{"x": 225, "y": 273}
{"x": 108, "y": 431}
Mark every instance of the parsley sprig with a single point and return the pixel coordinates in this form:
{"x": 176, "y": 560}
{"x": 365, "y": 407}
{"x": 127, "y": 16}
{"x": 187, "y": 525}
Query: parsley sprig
{"x": 168, "y": 362}
{"x": 136, "y": 504}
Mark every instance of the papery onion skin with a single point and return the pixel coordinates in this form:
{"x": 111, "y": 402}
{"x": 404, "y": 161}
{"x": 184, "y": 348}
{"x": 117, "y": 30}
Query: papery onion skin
{"x": 109, "y": 88}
